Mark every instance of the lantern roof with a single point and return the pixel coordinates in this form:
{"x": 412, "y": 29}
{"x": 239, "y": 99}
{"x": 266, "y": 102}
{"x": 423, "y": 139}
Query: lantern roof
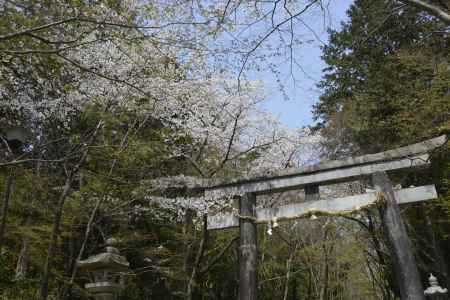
{"x": 102, "y": 261}
{"x": 109, "y": 260}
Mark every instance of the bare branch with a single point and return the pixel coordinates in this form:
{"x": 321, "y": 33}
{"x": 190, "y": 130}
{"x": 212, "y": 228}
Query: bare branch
{"x": 18, "y": 162}
{"x": 230, "y": 144}
{"x": 364, "y": 225}
{"x": 267, "y": 35}
{"x": 93, "y": 21}
{"x": 224, "y": 14}
{"x": 89, "y": 70}
{"x": 430, "y": 8}
{"x": 49, "y": 51}
{"x": 30, "y": 30}
{"x": 219, "y": 256}
{"x": 195, "y": 165}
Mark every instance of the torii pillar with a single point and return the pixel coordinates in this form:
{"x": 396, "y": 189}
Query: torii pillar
{"x": 309, "y": 179}
{"x": 248, "y": 249}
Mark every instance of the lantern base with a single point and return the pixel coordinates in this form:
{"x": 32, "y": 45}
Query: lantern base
{"x": 104, "y": 290}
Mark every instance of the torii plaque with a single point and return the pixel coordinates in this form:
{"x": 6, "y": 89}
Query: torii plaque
{"x": 310, "y": 178}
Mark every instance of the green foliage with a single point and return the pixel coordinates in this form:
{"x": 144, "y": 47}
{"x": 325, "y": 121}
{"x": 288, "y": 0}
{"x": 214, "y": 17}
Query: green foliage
{"x": 387, "y": 85}
{"x": 11, "y": 289}
{"x": 6, "y": 270}
{"x": 387, "y": 79}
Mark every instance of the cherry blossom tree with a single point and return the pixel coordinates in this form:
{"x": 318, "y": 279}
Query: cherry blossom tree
{"x": 158, "y": 62}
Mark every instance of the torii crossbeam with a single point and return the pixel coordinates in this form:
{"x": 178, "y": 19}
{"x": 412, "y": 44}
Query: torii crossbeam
{"x": 310, "y": 178}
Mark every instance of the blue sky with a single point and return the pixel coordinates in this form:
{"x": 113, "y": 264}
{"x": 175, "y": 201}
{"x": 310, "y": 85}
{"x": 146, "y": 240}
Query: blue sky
{"x": 296, "y": 111}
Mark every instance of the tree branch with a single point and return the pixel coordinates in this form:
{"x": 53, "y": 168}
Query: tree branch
{"x": 267, "y": 35}
{"x": 198, "y": 258}
{"x": 23, "y": 161}
{"x": 431, "y": 9}
{"x": 92, "y": 21}
{"x": 30, "y": 30}
{"x": 230, "y": 144}
{"x": 219, "y": 256}
{"x": 88, "y": 70}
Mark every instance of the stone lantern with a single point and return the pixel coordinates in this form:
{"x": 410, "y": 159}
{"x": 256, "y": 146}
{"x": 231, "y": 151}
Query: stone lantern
{"x": 107, "y": 269}
{"x": 435, "y": 292}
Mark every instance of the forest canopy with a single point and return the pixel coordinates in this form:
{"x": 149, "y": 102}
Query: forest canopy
{"x": 112, "y": 113}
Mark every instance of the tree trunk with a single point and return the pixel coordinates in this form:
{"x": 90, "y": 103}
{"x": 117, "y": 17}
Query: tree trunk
{"x": 405, "y": 267}
{"x": 93, "y": 214}
{"x": 22, "y": 261}
{"x": 68, "y": 289}
{"x": 5, "y": 205}
{"x": 288, "y": 274}
{"x": 294, "y": 287}
{"x": 54, "y": 238}
{"x": 198, "y": 258}
{"x": 58, "y": 215}
{"x": 310, "y": 288}
{"x": 248, "y": 281}
{"x": 188, "y": 232}
{"x": 326, "y": 268}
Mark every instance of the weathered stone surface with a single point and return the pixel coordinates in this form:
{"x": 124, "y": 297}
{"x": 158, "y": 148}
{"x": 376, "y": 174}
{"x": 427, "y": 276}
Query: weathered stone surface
{"x": 332, "y": 206}
{"x": 106, "y": 260}
{"x": 386, "y": 156}
{"x": 399, "y": 244}
{"x": 106, "y": 268}
{"x": 248, "y": 249}
{"x": 296, "y": 181}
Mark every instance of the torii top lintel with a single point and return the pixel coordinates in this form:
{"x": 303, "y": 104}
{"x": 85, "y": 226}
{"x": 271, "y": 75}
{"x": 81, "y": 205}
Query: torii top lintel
{"x": 333, "y": 171}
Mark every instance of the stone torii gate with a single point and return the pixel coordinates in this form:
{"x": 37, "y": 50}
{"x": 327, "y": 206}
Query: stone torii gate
{"x": 310, "y": 178}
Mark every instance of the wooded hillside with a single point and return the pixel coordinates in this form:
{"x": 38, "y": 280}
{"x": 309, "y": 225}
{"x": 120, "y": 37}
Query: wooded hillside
{"x": 114, "y": 115}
